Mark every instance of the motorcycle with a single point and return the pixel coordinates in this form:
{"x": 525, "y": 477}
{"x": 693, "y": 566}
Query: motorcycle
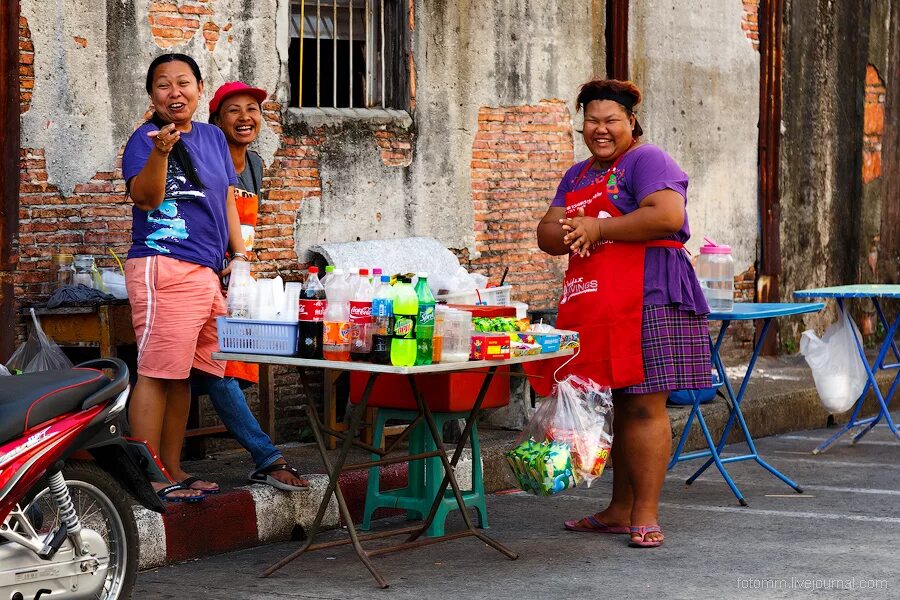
{"x": 67, "y": 527}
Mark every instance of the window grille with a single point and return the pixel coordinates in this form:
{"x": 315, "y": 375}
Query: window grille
{"x": 348, "y": 53}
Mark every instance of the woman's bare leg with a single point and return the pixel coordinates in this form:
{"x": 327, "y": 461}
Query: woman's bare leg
{"x": 147, "y": 412}
{"x": 648, "y": 441}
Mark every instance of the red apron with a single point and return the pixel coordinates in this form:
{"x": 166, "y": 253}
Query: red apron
{"x": 248, "y": 208}
{"x": 602, "y": 299}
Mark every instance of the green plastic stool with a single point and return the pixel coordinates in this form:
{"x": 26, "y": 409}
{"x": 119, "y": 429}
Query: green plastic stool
{"x": 424, "y": 476}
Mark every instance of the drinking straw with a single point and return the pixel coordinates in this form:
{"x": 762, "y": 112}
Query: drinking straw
{"x": 121, "y": 268}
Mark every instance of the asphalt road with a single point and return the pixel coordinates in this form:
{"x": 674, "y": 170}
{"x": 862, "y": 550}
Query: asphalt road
{"x": 838, "y": 539}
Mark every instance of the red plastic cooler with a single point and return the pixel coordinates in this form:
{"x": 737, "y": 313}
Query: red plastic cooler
{"x": 444, "y": 392}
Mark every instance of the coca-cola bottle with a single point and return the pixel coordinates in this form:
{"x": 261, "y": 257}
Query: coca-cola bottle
{"x": 361, "y": 318}
{"x": 311, "y": 315}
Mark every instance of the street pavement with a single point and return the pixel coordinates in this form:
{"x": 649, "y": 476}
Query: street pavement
{"x": 838, "y": 539}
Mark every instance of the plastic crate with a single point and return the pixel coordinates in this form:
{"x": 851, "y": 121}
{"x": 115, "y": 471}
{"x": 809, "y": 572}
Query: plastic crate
{"x": 246, "y": 336}
{"x": 495, "y": 296}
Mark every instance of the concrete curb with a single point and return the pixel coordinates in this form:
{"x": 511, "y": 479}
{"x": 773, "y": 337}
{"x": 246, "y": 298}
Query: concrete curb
{"x": 255, "y": 515}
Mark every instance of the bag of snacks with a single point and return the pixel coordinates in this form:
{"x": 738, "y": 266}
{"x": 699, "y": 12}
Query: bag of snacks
{"x": 578, "y": 416}
{"x": 542, "y": 468}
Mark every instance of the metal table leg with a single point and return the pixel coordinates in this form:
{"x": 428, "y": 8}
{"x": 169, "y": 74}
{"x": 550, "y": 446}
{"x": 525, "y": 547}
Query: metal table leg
{"x": 869, "y": 423}
{"x": 735, "y": 414}
{"x": 414, "y": 531}
{"x": 333, "y": 488}
{"x": 450, "y": 467}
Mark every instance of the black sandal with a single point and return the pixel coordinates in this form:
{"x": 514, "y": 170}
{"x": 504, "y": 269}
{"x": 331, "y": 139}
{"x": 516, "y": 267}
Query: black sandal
{"x": 265, "y": 476}
{"x": 175, "y": 487}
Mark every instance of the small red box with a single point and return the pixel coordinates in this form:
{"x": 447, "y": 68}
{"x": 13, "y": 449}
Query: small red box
{"x": 444, "y": 392}
{"x": 490, "y": 346}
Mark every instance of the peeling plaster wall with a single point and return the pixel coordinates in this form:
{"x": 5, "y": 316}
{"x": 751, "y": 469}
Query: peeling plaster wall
{"x": 468, "y": 55}
{"x": 88, "y": 96}
{"x": 700, "y": 76}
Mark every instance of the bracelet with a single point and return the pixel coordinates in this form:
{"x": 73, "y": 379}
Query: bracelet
{"x": 240, "y": 255}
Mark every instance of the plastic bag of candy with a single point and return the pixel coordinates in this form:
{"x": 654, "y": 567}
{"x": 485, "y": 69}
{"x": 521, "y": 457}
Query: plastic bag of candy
{"x": 542, "y": 468}
{"x": 579, "y": 415}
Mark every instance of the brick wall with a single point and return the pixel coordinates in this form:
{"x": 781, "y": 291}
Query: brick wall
{"x": 873, "y": 124}
{"x": 26, "y": 65}
{"x": 395, "y": 146}
{"x": 750, "y": 22}
{"x": 51, "y": 222}
{"x": 518, "y": 157}
{"x": 175, "y": 23}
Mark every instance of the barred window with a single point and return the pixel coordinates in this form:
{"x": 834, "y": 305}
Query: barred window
{"x": 349, "y": 53}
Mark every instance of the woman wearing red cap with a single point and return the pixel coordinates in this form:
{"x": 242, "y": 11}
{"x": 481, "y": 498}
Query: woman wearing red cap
{"x": 236, "y": 110}
{"x": 631, "y": 293}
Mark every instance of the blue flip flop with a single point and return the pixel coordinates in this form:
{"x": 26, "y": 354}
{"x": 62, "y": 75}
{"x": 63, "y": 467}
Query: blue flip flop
{"x": 164, "y": 494}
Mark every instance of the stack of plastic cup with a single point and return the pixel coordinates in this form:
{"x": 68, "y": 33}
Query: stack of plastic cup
{"x": 292, "y": 293}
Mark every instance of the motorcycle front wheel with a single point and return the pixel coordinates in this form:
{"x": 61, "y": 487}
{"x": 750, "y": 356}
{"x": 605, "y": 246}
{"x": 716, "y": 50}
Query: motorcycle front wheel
{"x": 101, "y": 505}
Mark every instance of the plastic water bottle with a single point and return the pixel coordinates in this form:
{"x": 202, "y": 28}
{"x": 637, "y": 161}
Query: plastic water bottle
{"x": 311, "y": 315}
{"x": 336, "y": 325}
{"x": 425, "y": 323}
{"x": 383, "y": 317}
{"x": 715, "y": 270}
{"x": 329, "y": 273}
{"x": 361, "y": 318}
{"x": 406, "y": 313}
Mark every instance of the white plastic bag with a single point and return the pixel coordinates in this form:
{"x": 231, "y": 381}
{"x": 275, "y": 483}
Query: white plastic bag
{"x": 580, "y": 415}
{"x": 38, "y": 353}
{"x": 839, "y": 375}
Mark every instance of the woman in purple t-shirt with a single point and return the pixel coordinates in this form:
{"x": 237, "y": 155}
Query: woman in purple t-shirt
{"x": 180, "y": 176}
{"x": 631, "y": 293}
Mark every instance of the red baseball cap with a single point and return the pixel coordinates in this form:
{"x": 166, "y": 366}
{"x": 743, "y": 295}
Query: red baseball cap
{"x": 235, "y": 87}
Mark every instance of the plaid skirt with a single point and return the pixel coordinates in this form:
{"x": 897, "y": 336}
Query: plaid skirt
{"x": 675, "y": 346}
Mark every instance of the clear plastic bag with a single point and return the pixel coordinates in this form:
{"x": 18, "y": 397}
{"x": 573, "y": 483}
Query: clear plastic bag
{"x": 578, "y": 415}
{"x": 38, "y": 353}
{"x": 835, "y": 363}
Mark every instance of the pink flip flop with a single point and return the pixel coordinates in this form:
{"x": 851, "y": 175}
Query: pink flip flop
{"x": 596, "y": 526}
{"x": 642, "y": 531}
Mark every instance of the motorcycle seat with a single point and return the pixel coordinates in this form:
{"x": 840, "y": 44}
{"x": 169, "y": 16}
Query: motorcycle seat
{"x": 30, "y": 399}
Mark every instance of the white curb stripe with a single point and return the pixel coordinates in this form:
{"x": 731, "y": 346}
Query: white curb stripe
{"x": 152, "y": 538}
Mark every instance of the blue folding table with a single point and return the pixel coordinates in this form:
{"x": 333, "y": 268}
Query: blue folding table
{"x": 873, "y": 292}
{"x": 741, "y": 312}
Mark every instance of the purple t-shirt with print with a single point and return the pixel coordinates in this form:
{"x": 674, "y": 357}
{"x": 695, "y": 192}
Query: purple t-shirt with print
{"x": 668, "y": 274}
{"x": 191, "y": 224}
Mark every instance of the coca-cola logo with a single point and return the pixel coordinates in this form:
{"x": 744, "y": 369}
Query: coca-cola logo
{"x": 360, "y": 311}
{"x": 311, "y": 310}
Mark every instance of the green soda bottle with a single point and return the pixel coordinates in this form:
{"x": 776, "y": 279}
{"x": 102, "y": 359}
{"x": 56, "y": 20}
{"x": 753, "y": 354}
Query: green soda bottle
{"x": 425, "y": 324}
{"x": 406, "y": 313}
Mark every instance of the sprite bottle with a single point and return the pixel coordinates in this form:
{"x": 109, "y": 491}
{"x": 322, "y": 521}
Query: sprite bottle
{"x": 406, "y": 313}
{"x": 425, "y": 324}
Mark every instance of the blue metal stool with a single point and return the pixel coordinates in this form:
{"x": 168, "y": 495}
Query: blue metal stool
{"x": 424, "y": 475}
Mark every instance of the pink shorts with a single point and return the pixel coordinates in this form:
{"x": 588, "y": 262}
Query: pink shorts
{"x": 174, "y": 305}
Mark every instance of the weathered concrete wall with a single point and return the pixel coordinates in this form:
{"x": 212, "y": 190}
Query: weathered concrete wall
{"x": 90, "y": 65}
{"x": 699, "y": 71}
{"x": 825, "y": 52}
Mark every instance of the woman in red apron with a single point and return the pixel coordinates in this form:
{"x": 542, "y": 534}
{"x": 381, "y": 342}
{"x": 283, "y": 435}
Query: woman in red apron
{"x": 631, "y": 293}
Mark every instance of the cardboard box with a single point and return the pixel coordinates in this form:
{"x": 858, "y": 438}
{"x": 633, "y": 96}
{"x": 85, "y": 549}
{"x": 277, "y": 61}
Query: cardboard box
{"x": 490, "y": 346}
{"x": 549, "y": 342}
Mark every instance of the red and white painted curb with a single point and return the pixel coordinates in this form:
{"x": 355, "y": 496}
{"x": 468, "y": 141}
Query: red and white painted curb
{"x": 254, "y": 515}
